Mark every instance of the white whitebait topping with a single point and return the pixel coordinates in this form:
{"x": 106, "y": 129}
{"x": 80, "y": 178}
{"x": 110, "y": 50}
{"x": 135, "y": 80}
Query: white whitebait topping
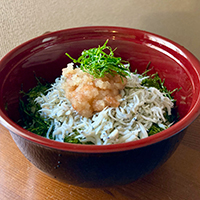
{"x": 139, "y": 108}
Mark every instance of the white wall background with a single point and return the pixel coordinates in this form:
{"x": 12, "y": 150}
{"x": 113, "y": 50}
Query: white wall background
{"x": 21, "y": 20}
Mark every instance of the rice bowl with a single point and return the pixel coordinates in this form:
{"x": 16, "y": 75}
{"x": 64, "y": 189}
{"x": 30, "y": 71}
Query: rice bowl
{"x": 99, "y": 165}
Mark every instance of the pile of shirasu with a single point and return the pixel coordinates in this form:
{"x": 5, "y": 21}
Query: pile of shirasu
{"x": 139, "y": 108}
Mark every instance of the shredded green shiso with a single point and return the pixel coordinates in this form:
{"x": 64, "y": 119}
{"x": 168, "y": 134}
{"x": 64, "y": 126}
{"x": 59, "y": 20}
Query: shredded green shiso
{"x": 100, "y": 64}
{"x": 31, "y": 119}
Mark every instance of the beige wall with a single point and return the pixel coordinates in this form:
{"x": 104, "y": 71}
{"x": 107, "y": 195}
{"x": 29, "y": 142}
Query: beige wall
{"x": 21, "y": 20}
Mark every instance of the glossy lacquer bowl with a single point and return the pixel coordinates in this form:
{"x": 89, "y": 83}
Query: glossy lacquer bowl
{"x": 89, "y": 165}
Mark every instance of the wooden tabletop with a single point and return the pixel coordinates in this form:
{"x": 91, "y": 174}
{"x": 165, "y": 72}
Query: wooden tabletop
{"x": 177, "y": 179}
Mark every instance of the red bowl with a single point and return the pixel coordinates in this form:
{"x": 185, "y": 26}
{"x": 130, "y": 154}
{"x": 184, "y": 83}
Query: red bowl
{"x": 90, "y": 165}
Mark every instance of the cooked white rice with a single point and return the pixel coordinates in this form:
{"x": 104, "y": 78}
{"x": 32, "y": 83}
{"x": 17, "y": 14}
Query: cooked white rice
{"x": 139, "y": 108}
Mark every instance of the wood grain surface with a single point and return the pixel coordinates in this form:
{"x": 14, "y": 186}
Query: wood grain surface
{"x": 177, "y": 179}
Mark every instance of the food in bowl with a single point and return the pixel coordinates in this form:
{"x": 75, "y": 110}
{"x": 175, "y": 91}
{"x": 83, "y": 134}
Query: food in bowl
{"x": 99, "y": 102}
{"x": 99, "y": 165}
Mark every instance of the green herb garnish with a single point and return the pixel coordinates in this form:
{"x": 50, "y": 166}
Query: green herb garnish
{"x": 98, "y": 63}
{"x": 155, "y": 81}
{"x": 29, "y": 110}
{"x": 72, "y": 138}
{"x": 154, "y": 129}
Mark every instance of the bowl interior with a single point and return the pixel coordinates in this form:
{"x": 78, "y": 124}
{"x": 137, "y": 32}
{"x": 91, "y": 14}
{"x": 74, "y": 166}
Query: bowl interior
{"x": 45, "y": 57}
